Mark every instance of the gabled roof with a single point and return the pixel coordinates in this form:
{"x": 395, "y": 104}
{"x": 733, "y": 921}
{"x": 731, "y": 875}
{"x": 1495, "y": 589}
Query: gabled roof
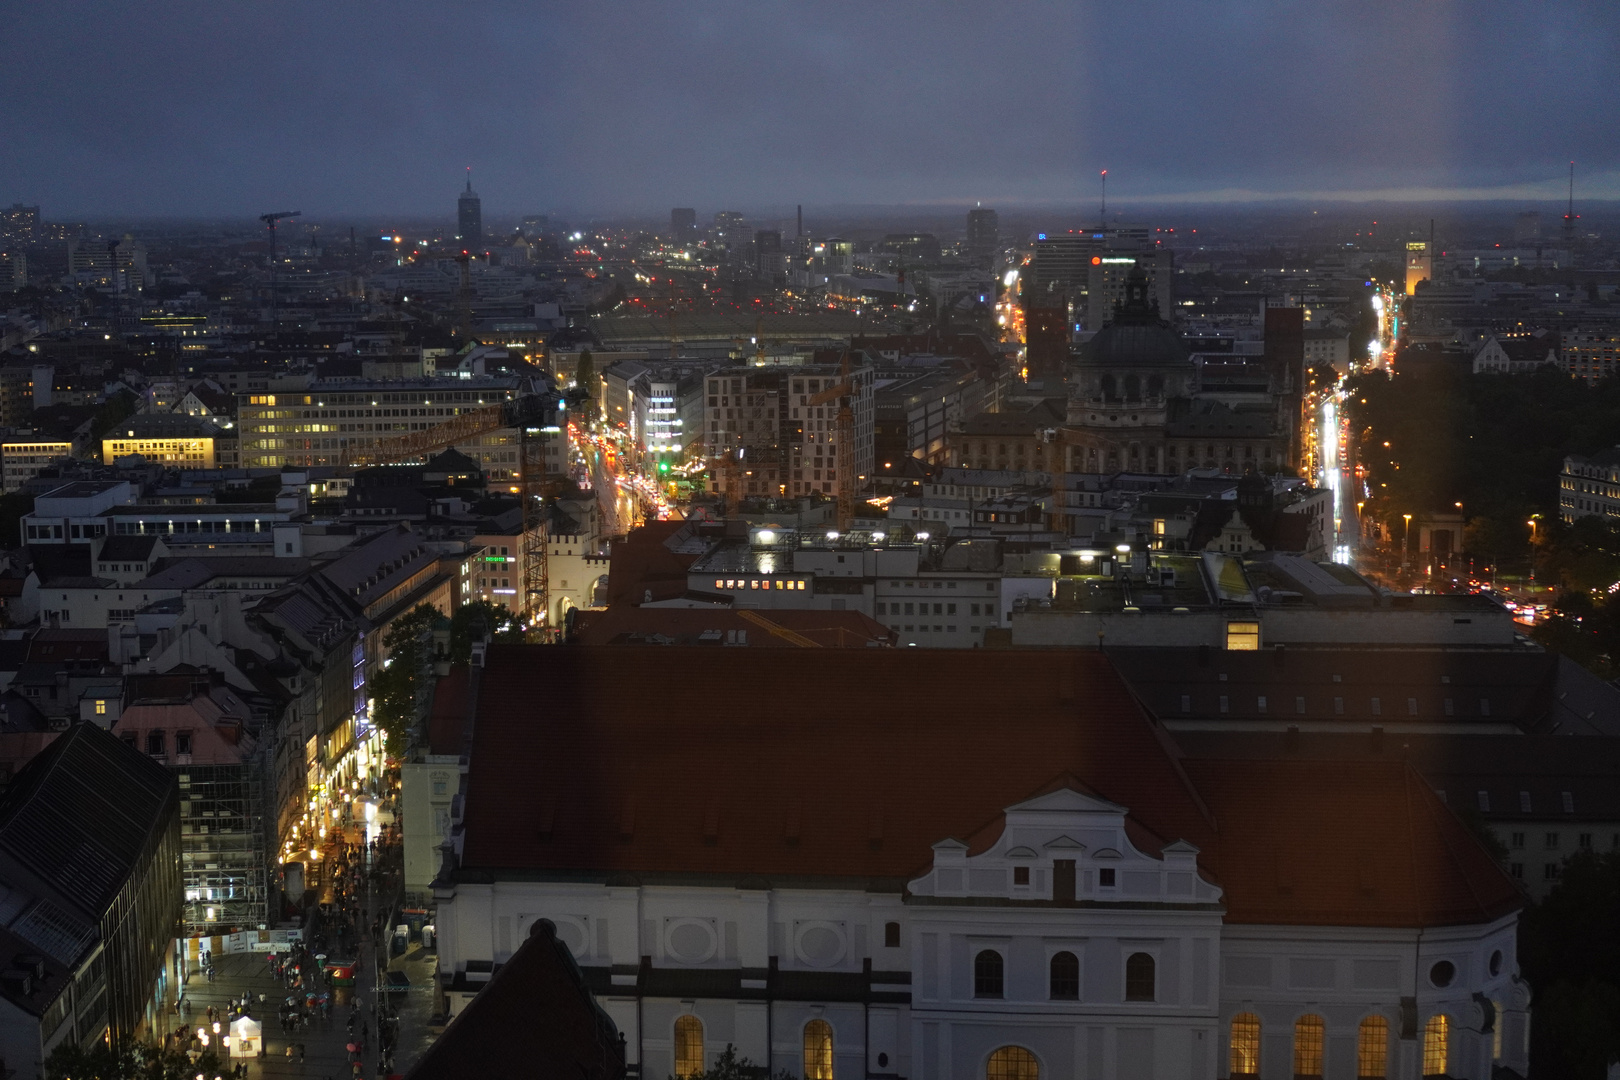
{"x": 536, "y": 1018}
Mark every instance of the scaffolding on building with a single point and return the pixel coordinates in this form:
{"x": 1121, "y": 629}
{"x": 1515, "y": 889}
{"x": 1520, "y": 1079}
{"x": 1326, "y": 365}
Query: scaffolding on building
{"x": 224, "y": 853}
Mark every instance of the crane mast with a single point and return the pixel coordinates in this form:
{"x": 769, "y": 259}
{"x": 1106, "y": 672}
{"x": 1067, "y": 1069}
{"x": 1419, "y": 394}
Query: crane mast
{"x": 270, "y": 220}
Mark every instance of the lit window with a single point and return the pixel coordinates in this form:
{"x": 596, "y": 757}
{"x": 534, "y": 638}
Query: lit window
{"x": 1245, "y": 1055}
{"x": 688, "y": 1046}
{"x": 987, "y": 974}
{"x": 1012, "y": 1063}
{"x": 1065, "y": 977}
{"x": 1308, "y": 1037}
{"x": 101, "y": 708}
{"x": 1436, "y": 1040}
{"x": 818, "y": 1050}
{"x": 1243, "y": 636}
{"x": 1372, "y": 1048}
{"x": 1140, "y": 983}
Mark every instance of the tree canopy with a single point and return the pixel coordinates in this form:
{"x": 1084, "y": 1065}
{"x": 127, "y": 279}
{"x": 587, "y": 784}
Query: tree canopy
{"x": 1569, "y": 950}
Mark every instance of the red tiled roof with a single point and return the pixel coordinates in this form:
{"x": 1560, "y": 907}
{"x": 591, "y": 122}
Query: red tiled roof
{"x": 641, "y": 560}
{"x": 852, "y": 763}
{"x": 832, "y": 763}
{"x": 59, "y": 646}
{"x": 1361, "y": 843}
{"x": 830, "y": 629}
{"x": 448, "y": 716}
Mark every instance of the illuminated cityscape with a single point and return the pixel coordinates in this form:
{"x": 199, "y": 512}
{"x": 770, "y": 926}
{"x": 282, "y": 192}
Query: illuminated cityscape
{"x": 897, "y": 545}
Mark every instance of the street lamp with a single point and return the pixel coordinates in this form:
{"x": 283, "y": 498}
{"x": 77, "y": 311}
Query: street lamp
{"x": 1406, "y": 540}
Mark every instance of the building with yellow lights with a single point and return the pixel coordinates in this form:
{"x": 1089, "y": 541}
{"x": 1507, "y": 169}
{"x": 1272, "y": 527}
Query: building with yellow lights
{"x": 319, "y": 425}
{"x": 174, "y": 440}
{"x": 23, "y": 459}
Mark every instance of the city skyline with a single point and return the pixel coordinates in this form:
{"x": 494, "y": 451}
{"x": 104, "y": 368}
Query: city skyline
{"x": 198, "y": 112}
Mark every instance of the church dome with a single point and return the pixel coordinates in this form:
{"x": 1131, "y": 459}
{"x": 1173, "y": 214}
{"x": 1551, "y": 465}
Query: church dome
{"x": 1136, "y": 336}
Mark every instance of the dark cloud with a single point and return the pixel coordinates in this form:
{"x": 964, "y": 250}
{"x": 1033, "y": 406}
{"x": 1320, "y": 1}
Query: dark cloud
{"x": 353, "y": 106}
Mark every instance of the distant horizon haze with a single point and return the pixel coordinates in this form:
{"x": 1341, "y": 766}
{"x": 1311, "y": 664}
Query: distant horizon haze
{"x": 188, "y": 108}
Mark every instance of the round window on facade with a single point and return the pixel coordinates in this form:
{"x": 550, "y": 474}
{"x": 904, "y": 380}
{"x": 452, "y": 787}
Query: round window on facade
{"x": 1442, "y": 973}
{"x": 1496, "y": 962}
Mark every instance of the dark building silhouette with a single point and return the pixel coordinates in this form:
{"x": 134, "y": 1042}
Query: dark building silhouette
{"x": 470, "y": 217}
{"x": 683, "y": 224}
{"x": 1285, "y": 359}
{"x": 983, "y": 233}
{"x": 1047, "y": 336}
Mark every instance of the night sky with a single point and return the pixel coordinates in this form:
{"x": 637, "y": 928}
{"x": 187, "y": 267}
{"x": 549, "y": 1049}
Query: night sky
{"x": 341, "y": 106}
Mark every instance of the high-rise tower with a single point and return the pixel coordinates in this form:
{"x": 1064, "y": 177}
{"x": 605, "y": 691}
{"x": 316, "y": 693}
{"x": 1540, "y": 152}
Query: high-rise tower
{"x": 983, "y": 233}
{"x": 470, "y": 217}
{"x": 683, "y": 224}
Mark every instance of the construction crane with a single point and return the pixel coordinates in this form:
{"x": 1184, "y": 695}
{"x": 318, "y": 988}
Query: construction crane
{"x": 535, "y": 488}
{"x": 270, "y": 220}
{"x": 844, "y": 428}
{"x": 776, "y": 629}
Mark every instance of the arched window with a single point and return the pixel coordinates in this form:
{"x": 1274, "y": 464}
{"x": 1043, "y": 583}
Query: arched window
{"x": 987, "y": 967}
{"x": 1065, "y": 977}
{"x": 1309, "y": 1034}
{"x": 818, "y": 1051}
{"x": 1140, "y": 983}
{"x": 1436, "y": 1044}
{"x": 1372, "y": 1049}
{"x": 1133, "y": 388}
{"x": 688, "y": 1045}
{"x": 1155, "y": 386}
{"x": 1107, "y": 387}
{"x": 1012, "y": 1063}
{"x": 1244, "y": 1059}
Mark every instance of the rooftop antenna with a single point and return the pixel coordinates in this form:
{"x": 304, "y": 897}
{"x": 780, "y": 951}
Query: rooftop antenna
{"x": 1103, "y": 227}
{"x": 270, "y": 220}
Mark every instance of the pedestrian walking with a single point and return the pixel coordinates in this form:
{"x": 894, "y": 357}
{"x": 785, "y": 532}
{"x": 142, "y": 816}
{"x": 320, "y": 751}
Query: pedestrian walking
{"x": 300, "y": 1053}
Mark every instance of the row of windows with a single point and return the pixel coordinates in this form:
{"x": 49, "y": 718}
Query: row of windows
{"x": 1063, "y": 976}
{"x": 1375, "y": 706}
{"x": 1551, "y": 840}
{"x": 897, "y": 608}
{"x": 1310, "y": 1039}
{"x": 157, "y": 741}
{"x": 759, "y": 583}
